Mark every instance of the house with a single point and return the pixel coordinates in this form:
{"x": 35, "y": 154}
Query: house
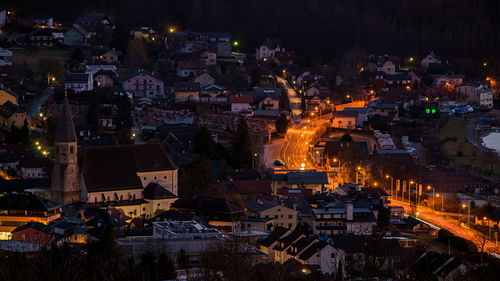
{"x": 79, "y": 82}
{"x": 13, "y": 115}
{"x": 388, "y": 67}
{"x": 447, "y": 80}
{"x": 216, "y": 211}
{"x": 431, "y": 58}
{"x": 384, "y": 109}
{"x": 257, "y": 224}
{"x": 220, "y": 42}
{"x": 117, "y": 176}
{"x": 7, "y": 94}
{"x": 187, "y": 91}
{"x": 270, "y": 102}
{"x": 34, "y": 232}
{"x": 159, "y": 198}
{"x": 241, "y": 102}
{"x": 478, "y": 94}
{"x": 294, "y": 179}
{"x": 42, "y": 38}
{"x": 34, "y": 167}
{"x": 42, "y": 21}
{"x": 284, "y": 57}
{"x": 354, "y": 217}
{"x": 16, "y": 209}
{"x": 103, "y": 56}
{"x": 345, "y": 119}
{"x": 281, "y": 215}
{"x": 188, "y": 68}
{"x": 209, "y": 57}
{"x": 362, "y": 115}
{"x": 144, "y": 84}
{"x": 204, "y": 79}
{"x": 76, "y": 36}
{"x": 268, "y": 243}
{"x": 144, "y": 33}
{"x": 268, "y": 49}
{"x": 213, "y": 93}
{"x": 104, "y": 78}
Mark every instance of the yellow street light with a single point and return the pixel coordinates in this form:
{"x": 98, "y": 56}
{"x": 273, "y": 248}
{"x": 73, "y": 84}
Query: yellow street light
{"x": 464, "y": 206}
{"x": 411, "y": 59}
{"x": 171, "y": 30}
{"x": 40, "y": 114}
{"x": 37, "y": 143}
{"x": 347, "y": 96}
{"x": 335, "y": 160}
{"x": 418, "y": 213}
{"x": 359, "y": 168}
{"x": 375, "y": 184}
{"x": 386, "y": 176}
{"x": 485, "y": 218}
{"x": 412, "y": 182}
{"x": 39, "y": 147}
{"x": 53, "y": 79}
{"x": 372, "y": 92}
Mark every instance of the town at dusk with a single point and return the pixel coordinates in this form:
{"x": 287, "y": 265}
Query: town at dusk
{"x": 263, "y": 140}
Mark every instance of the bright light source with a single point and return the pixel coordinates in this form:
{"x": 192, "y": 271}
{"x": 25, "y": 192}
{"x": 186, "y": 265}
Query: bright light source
{"x": 418, "y": 213}
{"x": 411, "y": 59}
{"x": 39, "y": 147}
{"x": 464, "y": 206}
{"x": 236, "y": 43}
{"x": 302, "y": 165}
{"x": 37, "y": 143}
{"x": 386, "y": 176}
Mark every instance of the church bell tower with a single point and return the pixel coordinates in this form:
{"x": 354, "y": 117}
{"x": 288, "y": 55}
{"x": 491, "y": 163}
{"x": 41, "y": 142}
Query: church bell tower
{"x": 65, "y": 182}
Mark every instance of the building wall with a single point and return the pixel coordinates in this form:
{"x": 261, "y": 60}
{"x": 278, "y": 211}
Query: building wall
{"x": 345, "y": 122}
{"x": 204, "y": 80}
{"x": 103, "y": 81}
{"x": 73, "y": 38}
{"x": 17, "y": 119}
{"x": 123, "y": 194}
{"x": 9, "y": 223}
{"x": 282, "y": 216}
{"x": 144, "y": 85}
{"x": 237, "y": 107}
{"x": 186, "y": 96}
{"x": 166, "y": 178}
{"x": 31, "y": 235}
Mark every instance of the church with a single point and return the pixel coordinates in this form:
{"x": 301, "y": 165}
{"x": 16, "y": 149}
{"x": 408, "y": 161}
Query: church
{"x": 138, "y": 179}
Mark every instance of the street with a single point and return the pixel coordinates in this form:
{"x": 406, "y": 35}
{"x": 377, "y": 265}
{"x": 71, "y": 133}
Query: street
{"x": 446, "y": 220}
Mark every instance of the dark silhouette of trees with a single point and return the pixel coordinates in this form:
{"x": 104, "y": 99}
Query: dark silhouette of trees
{"x": 241, "y": 146}
{"x": 204, "y": 144}
{"x": 281, "y": 124}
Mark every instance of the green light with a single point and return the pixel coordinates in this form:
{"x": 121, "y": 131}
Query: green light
{"x": 433, "y": 111}
{"x": 427, "y": 111}
{"x": 236, "y": 43}
{"x": 255, "y": 154}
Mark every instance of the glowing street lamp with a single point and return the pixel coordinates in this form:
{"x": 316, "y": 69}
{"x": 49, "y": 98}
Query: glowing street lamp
{"x": 442, "y": 202}
{"x": 433, "y": 199}
{"x": 468, "y": 212}
{"x": 171, "y": 30}
{"x": 39, "y": 147}
{"x": 236, "y": 43}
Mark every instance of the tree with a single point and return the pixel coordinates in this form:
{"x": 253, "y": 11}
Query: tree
{"x": 78, "y": 55}
{"x": 166, "y": 268}
{"x": 196, "y": 176}
{"x": 241, "y": 146}
{"x": 204, "y": 144}
{"x": 136, "y": 55}
{"x": 93, "y": 112}
{"x": 282, "y": 124}
{"x": 346, "y": 138}
{"x": 384, "y": 216}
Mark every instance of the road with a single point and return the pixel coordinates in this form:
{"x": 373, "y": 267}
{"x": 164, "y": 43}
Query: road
{"x": 293, "y": 98}
{"x": 36, "y": 105}
{"x": 447, "y": 221}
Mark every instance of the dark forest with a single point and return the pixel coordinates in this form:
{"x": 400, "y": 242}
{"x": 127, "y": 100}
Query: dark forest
{"x": 316, "y": 29}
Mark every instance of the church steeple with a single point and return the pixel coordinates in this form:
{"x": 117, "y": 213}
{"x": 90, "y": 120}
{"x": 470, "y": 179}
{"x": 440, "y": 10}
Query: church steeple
{"x": 65, "y": 129}
{"x": 65, "y": 181}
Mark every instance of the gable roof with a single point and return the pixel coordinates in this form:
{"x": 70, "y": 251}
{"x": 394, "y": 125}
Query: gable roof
{"x": 116, "y": 167}
{"x": 78, "y": 28}
{"x": 65, "y": 131}
{"x": 307, "y": 177}
{"x": 26, "y": 201}
{"x": 274, "y": 236}
{"x": 156, "y": 191}
{"x": 36, "y": 225}
{"x": 261, "y": 205}
{"x": 139, "y": 72}
{"x": 241, "y": 98}
{"x": 313, "y": 249}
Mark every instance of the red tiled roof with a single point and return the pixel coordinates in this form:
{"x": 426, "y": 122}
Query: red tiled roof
{"x": 241, "y": 99}
{"x": 253, "y": 186}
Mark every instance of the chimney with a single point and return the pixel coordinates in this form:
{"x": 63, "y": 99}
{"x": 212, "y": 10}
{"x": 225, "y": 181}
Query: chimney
{"x": 349, "y": 212}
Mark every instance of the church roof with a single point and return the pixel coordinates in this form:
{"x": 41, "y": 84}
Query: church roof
{"x": 116, "y": 167}
{"x": 65, "y": 129}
